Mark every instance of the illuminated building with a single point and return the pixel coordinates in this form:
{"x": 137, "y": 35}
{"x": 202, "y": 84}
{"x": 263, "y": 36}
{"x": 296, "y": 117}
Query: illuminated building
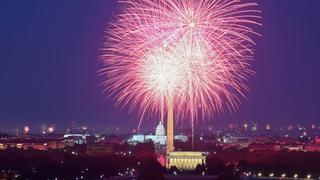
{"x": 3, "y": 146}
{"x": 296, "y": 147}
{"x": 268, "y": 127}
{"x": 50, "y": 130}
{"x": 240, "y": 141}
{"x": 185, "y": 160}
{"x": 76, "y": 138}
{"x": 158, "y": 138}
{"x": 26, "y": 130}
{"x": 254, "y": 126}
{"x": 38, "y": 144}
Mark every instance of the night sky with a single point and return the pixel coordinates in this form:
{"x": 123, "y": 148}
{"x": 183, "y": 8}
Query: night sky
{"x": 49, "y": 60}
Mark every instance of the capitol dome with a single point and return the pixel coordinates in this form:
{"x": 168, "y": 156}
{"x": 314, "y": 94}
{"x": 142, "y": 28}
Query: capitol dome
{"x": 160, "y": 129}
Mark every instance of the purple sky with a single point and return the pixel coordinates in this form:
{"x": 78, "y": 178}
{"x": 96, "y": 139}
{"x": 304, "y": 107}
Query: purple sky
{"x": 49, "y": 51}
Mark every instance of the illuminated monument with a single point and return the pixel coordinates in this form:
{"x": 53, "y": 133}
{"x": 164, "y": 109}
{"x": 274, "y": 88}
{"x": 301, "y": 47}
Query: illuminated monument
{"x": 187, "y": 160}
{"x": 170, "y": 140}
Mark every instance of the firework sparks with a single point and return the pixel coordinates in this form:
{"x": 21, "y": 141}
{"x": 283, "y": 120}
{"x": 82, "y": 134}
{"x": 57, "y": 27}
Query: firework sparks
{"x": 196, "y": 52}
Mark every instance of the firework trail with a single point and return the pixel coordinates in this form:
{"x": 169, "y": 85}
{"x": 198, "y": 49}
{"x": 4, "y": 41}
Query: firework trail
{"x": 196, "y": 52}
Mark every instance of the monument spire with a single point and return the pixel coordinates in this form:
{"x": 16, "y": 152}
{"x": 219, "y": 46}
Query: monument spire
{"x": 170, "y": 132}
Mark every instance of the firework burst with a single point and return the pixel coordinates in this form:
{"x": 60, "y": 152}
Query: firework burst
{"x": 195, "y": 52}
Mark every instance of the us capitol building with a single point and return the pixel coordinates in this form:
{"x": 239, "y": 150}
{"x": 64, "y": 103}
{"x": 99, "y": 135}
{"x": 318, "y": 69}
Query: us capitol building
{"x": 158, "y": 138}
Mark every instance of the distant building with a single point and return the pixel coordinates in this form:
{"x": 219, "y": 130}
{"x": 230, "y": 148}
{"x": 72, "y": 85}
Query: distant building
{"x": 76, "y": 138}
{"x": 239, "y": 141}
{"x": 185, "y": 160}
{"x": 37, "y": 144}
{"x": 3, "y": 146}
{"x": 158, "y": 138}
{"x": 296, "y": 147}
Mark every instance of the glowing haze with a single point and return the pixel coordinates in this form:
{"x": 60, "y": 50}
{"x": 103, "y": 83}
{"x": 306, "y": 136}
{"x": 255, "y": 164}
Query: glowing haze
{"x": 195, "y": 52}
